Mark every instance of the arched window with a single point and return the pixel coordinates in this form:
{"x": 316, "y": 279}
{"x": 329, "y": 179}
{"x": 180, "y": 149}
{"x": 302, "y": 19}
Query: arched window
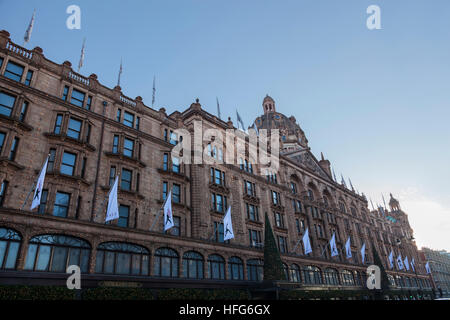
{"x": 55, "y": 253}
{"x": 122, "y": 258}
{"x": 331, "y": 277}
{"x": 286, "y": 271}
{"x": 295, "y": 273}
{"x": 255, "y": 270}
{"x": 216, "y": 267}
{"x": 9, "y": 248}
{"x": 166, "y": 263}
{"x": 192, "y": 265}
{"x": 236, "y": 268}
{"x": 312, "y": 275}
{"x": 347, "y": 278}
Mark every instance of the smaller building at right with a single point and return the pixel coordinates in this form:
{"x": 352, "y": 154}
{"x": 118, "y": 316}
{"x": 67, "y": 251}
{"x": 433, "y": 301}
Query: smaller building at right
{"x": 439, "y": 262}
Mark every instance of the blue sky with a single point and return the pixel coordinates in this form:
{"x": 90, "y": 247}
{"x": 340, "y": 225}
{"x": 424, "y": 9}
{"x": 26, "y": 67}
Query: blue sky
{"x": 374, "y": 101}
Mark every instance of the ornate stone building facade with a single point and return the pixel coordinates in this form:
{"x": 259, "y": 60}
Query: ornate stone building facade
{"x": 92, "y": 133}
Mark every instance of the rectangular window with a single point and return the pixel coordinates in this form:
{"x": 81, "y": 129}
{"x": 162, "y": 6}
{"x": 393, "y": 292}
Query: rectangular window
{"x": 65, "y": 93}
{"x": 138, "y": 122}
{"x": 115, "y": 148}
{"x": 165, "y": 135}
{"x": 61, "y": 207}
{"x": 23, "y": 111}
{"x": 276, "y": 198}
{"x": 176, "y": 229}
{"x": 58, "y": 124}
{"x": 176, "y": 193}
{"x": 77, "y": 210}
{"x": 51, "y": 160}
{"x": 119, "y": 115}
{"x": 112, "y": 175}
{"x": 3, "y": 189}
{"x": 128, "y": 147}
{"x": 1, "y": 62}
{"x": 68, "y": 163}
{"x": 2, "y": 141}
{"x": 124, "y": 214}
{"x": 282, "y": 246}
{"x": 166, "y": 161}
{"x": 28, "y": 78}
{"x": 43, "y": 204}
{"x": 128, "y": 119}
{"x": 254, "y": 238}
{"x": 6, "y": 104}
{"x": 77, "y": 98}
{"x": 126, "y": 180}
{"x": 138, "y": 178}
{"x": 176, "y": 164}
{"x": 218, "y": 232}
{"x": 74, "y": 129}
{"x": 252, "y": 212}
{"x": 88, "y": 133}
{"x": 249, "y": 188}
{"x": 297, "y": 225}
{"x": 173, "y": 138}
{"x": 14, "y": 146}
{"x": 89, "y": 102}
{"x": 14, "y": 71}
{"x": 279, "y": 220}
{"x": 293, "y": 188}
{"x": 165, "y": 188}
{"x": 83, "y": 166}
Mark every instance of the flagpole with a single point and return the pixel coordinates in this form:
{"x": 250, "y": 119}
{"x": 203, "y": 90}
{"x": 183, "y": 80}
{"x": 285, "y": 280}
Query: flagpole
{"x": 34, "y": 184}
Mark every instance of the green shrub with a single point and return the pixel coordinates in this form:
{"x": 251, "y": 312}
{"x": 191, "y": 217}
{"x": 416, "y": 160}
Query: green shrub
{"x": 36, "y": 293}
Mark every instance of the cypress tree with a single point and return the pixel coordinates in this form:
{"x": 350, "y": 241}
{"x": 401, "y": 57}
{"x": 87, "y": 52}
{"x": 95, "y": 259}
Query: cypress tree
{"x": 273, "y": 266}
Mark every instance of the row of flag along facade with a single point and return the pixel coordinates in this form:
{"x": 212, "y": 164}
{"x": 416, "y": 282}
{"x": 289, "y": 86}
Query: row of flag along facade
{"x": 401, "y": 264}
{"x": 112, "y": 213}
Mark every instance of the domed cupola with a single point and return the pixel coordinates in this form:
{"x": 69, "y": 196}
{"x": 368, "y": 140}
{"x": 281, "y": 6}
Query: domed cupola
{"x": 268, "y": 104}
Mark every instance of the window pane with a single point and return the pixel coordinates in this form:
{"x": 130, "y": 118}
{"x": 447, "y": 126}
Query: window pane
{"x": 3, "y": 245}
{"x": 74, "y": 257}
{"x": 31, "y": 256}
{"x": 13, "y": 71}
{"x": 68, "y": 163}
{"x": 43, "y": 258}
{"x": 74, "y": 128}
{"x": 77, "y": 98}
{"x": 123, "y": 263}
{"x": 136, "y": 264}
{"x": 59, "y": 259}
{"x": 6, "y": 104}
{"x": 99, "y": 261}
{"x": 61, "y": 204}
{"x": 128, "y": 119}
{"x": 85, "y": 253}
{"x": 12, "y": 255}
{"x": 145, "y": 260}
{"x": 128, "y": 147}
{"x": 109, "y": 262}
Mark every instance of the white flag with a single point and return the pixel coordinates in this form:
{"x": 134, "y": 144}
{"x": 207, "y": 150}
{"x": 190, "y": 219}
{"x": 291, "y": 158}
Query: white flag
{"x": 39, "y": 185}
{"x": 348, "y": 251}
{"x": 427, "y": 267}
{"x": 228, "y": 226}
{"x": 306, "y": 242}
{"x": 400, "y": 262}
{"x": 391, "y": 259}
{"x": 168, "y": 217}
{"x": 413, "y": 265}
{"x": 406, "y": 263}
{"x": 333, "y": 248}
{"x": 112, "y": 212}
{"x": 27, "y": 36}
{"x": 363, "y": 252}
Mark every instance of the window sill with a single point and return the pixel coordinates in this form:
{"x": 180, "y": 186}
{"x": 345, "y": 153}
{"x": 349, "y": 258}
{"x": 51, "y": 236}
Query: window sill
{"x": 219, "y": 188}
{"x": 174, "y": 174}
{"x": 251, "y": 199}
{"x": 65, "y": 138}
{"x": 13, "y": 164}
{"x": 125, "y": 158}
{"x": 16, "y": 122}
{"x": 59, "y": 175}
